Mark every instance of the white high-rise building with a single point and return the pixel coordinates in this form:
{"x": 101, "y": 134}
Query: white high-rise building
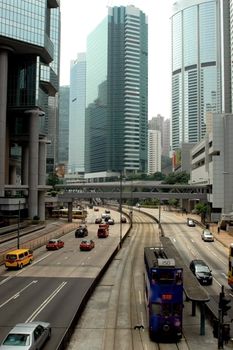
{"x": 154, "y": 151}
{"x": 77, "y": 106}
{"x": 201, "y": 77}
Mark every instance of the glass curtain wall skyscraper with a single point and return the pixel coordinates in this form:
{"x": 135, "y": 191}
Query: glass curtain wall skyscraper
{"x": 77, "y": 106}
{"x": 29, "y": 71}
{"x": 117, "y": 94}
{"x": 200, "y": 66}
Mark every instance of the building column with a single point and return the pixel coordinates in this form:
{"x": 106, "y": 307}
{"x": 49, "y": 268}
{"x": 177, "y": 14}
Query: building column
{"x": 13, "y": 178}
{"x": 41, "y": 205}
{"x": 42, "y": 177}
{"x": 42, "y": 162}
{"x": 25, "y": 162}
{"x": 3, "y": 110}
{"x": 33, "y": 163}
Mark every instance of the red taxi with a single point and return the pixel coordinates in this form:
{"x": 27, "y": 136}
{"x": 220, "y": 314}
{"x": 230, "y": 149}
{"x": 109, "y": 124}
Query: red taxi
{"x": 87, "y": 244}
{"x": 54, "y": 244}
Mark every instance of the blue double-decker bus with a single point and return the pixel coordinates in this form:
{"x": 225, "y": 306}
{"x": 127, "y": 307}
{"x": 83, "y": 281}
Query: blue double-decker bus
{"x": 163, "y": 294}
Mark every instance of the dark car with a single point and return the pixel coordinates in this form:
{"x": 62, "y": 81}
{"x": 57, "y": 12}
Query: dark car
{"x": 111, "y": 221}
{"x": 98, "y": 220}
{"x": 202, "y": 271}
{"x": 123, "y": 219}
{"x": 81, "y": 231}
{"x": 107, "y": 217}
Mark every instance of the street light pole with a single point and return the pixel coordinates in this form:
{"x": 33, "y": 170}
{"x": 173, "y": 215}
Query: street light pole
{"x": 120, "y": 207}
{"x": 18, "y": 235}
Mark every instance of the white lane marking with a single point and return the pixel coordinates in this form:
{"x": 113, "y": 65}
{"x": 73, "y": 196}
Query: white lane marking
{"x": 33, "y": 263}
{"x": 45, "y": 303}
{"x": 26, "y": 267}
{"x": 140, "y": 297}
{"x": 224, "y": 275}
{"x": 5, "y": 280}
{"x": 142, "y": 321}
{"x": 15, "y": 296}
{"x": 217, "y": 281}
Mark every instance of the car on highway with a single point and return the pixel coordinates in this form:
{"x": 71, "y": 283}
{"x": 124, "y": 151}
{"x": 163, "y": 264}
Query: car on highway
{"x": 191, "y": 223}
{"x": 107, "y": 217}
{"x": 18, "y": 258}
{"x": 107, "y": 211}
{"x": 98, "y": 220}
{"x": 123, "y": 219}
{"x": 201, "y": 271}
{"x": 81, "y": 231}
{"x": 87, "y": 244}
{"x": 27, "y": 336}
{"x": 207, "y": 236}
{"x": 96, "y": 209}
{"x": 54, "y": 244}
{"x": 111, "y": 221}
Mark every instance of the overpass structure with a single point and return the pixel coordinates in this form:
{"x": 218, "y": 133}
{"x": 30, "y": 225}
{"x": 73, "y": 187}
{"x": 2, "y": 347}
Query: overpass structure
{"x": 131, "y": 190}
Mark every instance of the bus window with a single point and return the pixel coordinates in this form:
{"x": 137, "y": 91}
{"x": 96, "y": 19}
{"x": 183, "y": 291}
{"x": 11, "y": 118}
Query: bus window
{"x": 156, "y": 308}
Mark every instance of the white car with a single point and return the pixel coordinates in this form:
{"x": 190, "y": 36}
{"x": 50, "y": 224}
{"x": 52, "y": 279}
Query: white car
{"x": 111, "y": 221}
{"x": 190, "y": 222}
{"x": 27, "y": 336}
{"x": 207, "y": 236}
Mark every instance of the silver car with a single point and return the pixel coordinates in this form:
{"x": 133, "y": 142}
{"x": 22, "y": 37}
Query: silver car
{"x": 207, "y": 236}
{"x": 27, "y": 336}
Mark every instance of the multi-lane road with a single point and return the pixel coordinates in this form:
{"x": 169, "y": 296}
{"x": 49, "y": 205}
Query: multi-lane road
{"x": 52, "y": 288}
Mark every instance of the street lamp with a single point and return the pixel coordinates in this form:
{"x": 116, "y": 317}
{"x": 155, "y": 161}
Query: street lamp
{"x": 18, "y": 235}
{"x": 120, "y": 207}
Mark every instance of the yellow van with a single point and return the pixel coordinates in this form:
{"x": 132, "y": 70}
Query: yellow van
{"x": 18, "y": 258}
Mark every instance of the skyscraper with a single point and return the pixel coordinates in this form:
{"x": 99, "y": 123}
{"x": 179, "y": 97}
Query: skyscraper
{"x": 117, "y": 94}
{"x": 200, "y": 66}
{"x": 29, "y": 68}
{"x": 63, "y": 145}
{"x": 77, "y": 114}
{"x": 158, "y": 123}
{"x": 154, "y": 151}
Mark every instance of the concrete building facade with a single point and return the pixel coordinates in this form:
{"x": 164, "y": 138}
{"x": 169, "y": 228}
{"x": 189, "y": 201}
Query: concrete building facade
{"x": 162, "y": 124}
{"x": 29, "y": 61}
{"x": 154, "y": 151}
{"x": 212, "y": 164}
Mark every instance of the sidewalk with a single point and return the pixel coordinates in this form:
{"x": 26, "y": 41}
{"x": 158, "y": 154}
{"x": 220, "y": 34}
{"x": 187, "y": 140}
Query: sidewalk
{"x": 226, "y": 238}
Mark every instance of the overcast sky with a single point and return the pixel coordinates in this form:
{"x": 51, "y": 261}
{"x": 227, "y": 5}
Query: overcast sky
{"x": 79, "y": 18}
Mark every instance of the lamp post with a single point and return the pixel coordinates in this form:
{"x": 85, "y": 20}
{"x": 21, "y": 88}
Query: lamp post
{"x": 120, "y": 207}
{"x": 18, "y": 235}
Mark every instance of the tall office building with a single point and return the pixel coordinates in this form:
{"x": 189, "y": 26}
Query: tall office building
{"x": 63, "y": 144}
{"x": 77, "y": 114}
{"x": 154, "y": 151}
{"x": 201, "y": 79}
{"x": 117, "y": 94}
{"x": 29, "y": 68}
{"x": 163, "y": 125}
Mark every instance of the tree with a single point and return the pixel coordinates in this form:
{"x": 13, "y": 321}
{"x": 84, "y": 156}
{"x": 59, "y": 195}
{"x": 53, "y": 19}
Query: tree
{"x": 202, "y": 209}
{"x": 53, "y": 180}
{"x": 177, "y": 178}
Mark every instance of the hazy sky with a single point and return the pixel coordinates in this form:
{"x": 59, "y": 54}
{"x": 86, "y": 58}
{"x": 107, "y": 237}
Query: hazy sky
{"x": 79, "y": 18}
